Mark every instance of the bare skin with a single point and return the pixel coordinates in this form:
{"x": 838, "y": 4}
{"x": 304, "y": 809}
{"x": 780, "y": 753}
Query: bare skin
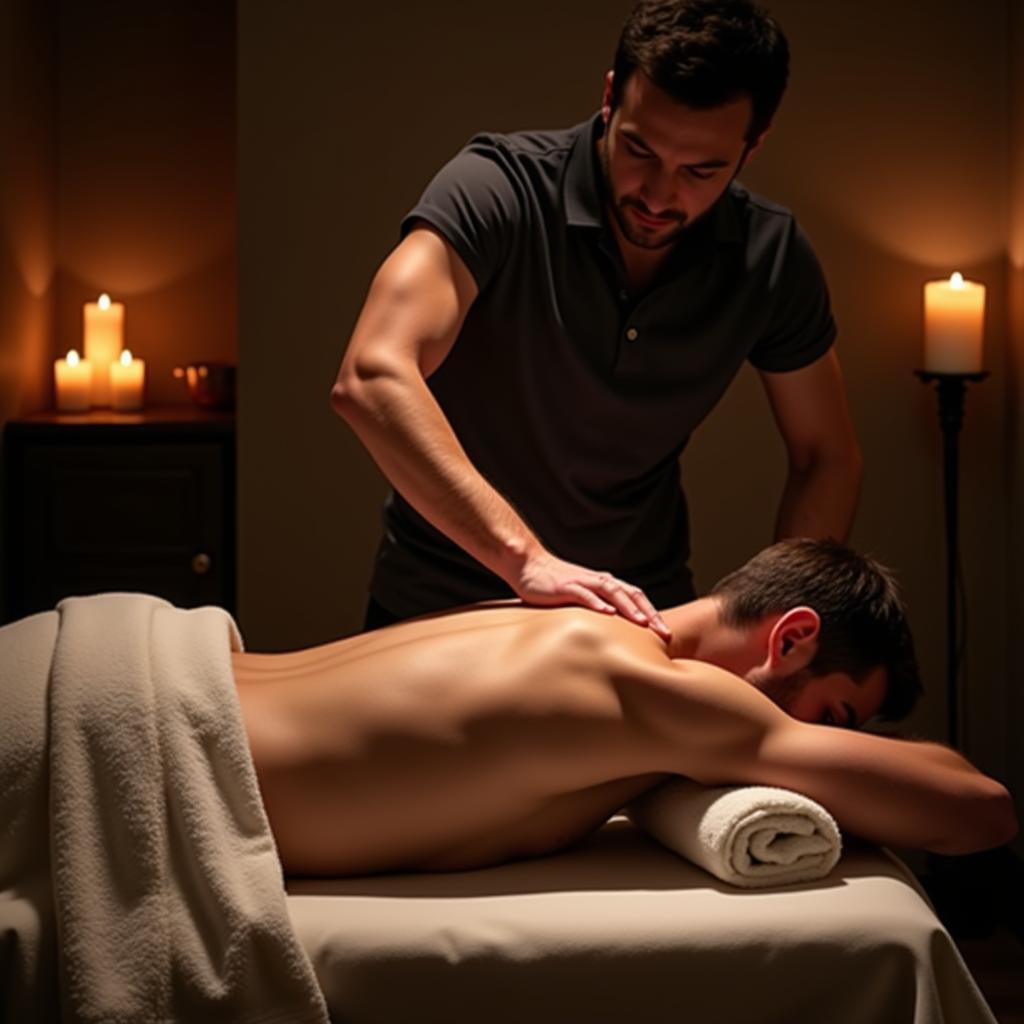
{"x": 462, "y": 740}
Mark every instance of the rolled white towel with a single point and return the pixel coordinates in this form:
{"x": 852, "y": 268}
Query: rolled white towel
{"x": 749, "y": 836}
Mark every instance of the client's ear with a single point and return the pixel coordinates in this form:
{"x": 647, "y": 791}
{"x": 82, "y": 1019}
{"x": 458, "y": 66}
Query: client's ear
{"x": 793, "y": 640}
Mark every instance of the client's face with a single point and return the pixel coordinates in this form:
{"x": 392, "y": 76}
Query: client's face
{"x": 832, "y": 699}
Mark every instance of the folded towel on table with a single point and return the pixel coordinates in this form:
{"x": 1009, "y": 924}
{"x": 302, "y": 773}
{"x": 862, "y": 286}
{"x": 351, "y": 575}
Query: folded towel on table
{"x": 749, "y": 836}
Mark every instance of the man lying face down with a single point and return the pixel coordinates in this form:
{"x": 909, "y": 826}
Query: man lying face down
{"x": 499, "y": 731}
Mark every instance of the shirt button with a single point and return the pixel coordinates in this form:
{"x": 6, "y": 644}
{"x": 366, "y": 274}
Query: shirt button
{"x": 632, "y": 334}
{"x": 624, "y": 295}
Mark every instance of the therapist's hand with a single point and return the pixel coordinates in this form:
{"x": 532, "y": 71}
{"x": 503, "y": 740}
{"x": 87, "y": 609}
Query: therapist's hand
{"x": 544, "y": 579}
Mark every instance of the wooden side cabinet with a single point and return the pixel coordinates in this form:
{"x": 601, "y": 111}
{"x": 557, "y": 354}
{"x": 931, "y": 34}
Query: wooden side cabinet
{"x": 103, "y": 502}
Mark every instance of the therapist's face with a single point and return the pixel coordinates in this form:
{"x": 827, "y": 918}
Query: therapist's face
{"x": 666, "y": 164}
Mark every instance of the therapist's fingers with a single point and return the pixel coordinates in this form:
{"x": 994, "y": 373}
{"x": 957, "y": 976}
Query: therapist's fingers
{"x": 657, "y": 623}
{"x": 586, "y": 597}
{"x": 620, "y": 595}
{"x": 631, "y": 602}
{"x": 547, "y": 580}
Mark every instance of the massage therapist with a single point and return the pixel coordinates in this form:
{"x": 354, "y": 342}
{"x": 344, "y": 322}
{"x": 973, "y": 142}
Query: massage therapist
{"x": 565, "y": 308}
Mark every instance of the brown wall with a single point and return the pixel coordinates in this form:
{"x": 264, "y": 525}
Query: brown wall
{"x": 146, "y": 130}
{"x": 1014, "y": 386}
{"x": 117, "y": 174}
{"x": 28, "y": 192}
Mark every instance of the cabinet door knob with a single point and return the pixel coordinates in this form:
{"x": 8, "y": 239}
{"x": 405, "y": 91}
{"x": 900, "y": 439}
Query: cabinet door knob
{"x": 201, "y": 564}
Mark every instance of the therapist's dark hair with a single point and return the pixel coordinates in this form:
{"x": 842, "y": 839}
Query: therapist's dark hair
{"x": 705, "y": 53}
{"x": 863, "y": 618}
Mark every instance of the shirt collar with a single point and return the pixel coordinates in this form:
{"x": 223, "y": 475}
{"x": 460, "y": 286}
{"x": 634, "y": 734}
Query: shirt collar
{"x": 583, "y": 189}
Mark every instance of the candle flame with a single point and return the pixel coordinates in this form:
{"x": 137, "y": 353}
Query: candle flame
{"x": 126, "y": 358}
{"x": 72, "y": 358}
{"x": 956, "y": 280}
{"x": 104, "y": 302}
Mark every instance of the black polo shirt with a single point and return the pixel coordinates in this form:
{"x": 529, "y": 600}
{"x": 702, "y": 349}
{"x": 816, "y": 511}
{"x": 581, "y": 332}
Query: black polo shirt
{"x": 574, "y": 397}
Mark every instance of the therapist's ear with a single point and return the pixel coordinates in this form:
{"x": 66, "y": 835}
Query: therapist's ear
{"x": 606, "y": 100}
{"x": 753, "y": 148}
{"x": 793, "y": 640}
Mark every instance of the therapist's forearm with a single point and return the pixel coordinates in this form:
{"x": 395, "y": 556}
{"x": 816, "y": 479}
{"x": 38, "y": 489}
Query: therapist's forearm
{"x": 400, "y": 423}
{"x": 820, "y": 498}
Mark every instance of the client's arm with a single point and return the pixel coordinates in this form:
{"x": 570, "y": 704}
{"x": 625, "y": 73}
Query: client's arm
{"x": 890, "y": 791}
{"x": 898, "y": 792}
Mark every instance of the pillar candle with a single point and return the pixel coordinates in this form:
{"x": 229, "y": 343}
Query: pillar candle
{"x": 73, "y": 381}
{"x": 954, "y": 321}
{"x": 103, "y": 330}
{"x": 127, "y": 382}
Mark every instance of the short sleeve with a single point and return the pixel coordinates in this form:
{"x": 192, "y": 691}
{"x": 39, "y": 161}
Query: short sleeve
{"x": 800, "y": 327}
{"x": 473, "y": 202}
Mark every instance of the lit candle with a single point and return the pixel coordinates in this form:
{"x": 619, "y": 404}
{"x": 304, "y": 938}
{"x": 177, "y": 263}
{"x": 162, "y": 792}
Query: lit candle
{"x": 103, "y": 327}
{"x": 127, "y": 381}
{"x": 954, "y": 321}
{"x": 73, "y": 381}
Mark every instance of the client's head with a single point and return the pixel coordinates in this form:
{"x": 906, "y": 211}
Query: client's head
{"x": 830, "y": 628}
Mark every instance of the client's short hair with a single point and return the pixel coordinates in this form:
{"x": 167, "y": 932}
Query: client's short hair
{"x": 863, "y": 618}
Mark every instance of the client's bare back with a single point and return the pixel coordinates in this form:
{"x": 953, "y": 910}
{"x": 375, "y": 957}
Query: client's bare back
{"x": 500, "y": 732}
{"x": 448, "y": 742}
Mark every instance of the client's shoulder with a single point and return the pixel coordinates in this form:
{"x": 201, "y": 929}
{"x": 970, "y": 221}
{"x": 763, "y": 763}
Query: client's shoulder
{"x": 577, "y": 639}
{"x": 591, "y": 630}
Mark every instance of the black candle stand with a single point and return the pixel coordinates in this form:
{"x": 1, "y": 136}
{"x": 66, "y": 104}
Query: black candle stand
{"x": 951, "y": 388}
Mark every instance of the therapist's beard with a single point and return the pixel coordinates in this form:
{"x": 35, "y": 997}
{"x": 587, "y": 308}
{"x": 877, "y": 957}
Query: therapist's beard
{"x": 619, "y": 212}
{"x": 637, "y": 238}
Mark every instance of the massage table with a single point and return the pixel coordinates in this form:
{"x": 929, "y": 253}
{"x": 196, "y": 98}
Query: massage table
{"x": 621, "y": 929}
{"x": 139, "y": 883}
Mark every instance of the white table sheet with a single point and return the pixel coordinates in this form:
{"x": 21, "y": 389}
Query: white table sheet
{"x": 620, "y": 929}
